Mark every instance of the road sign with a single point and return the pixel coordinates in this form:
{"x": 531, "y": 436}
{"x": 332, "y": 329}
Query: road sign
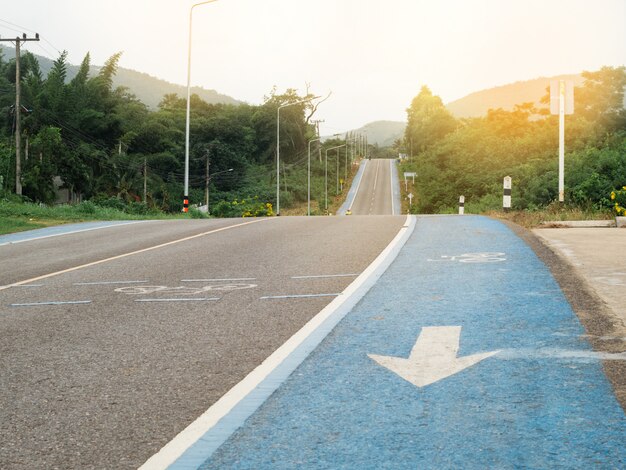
{"x": 558, "y": 88}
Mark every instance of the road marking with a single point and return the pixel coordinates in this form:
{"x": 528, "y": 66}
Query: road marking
{"x": 141, "y": 290}
{"x": 433, "y": 357}
{"x": 487, "y": 257}
{"x": 143, "y": 250}
{"x": 104, "y": 283}
{"x": 30, "y": 285}
{"x": 69, "y": 302}
{"x": 220, "y": 280}
{"x": 357, "y": 187}
{"x": 254, "y": 389}
{"x": 73, "y": 231}
{"x": 298, "y": 296}
{"x": 199, "y": 299}
{"x": 324, "y": 276}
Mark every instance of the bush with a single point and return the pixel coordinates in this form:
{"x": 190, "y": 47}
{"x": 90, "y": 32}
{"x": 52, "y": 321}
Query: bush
{"x": 243, "y": 208}
{"x": 87, "y": 207}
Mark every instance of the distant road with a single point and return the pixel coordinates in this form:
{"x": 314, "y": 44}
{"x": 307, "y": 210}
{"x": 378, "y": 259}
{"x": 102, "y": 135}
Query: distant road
{"x": 374, "y": 196}
{"x": 113, "y": 340}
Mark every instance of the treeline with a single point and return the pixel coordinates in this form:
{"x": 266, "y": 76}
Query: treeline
{"x": 470, "y": 157}
{"x": 107, "y": 146}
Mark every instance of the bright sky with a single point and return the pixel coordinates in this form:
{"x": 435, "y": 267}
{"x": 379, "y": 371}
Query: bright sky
{"x": 374, "y": 55}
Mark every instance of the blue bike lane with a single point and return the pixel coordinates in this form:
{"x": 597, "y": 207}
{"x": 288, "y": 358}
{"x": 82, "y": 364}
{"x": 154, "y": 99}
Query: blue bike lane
{"x": 465, "y": 354}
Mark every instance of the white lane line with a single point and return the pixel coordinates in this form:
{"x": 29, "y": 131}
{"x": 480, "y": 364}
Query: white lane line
{"x": 376, "y": 176}
{"x": 298, "y": 296}
{"x": 220, "y": 280}
{"x": 200, "y": 299}
{"x": 217, "y": 423}
{"x": 113, "y": 258}
{"x": 324, "y": 276}
{"x": 356, "y": 192}
{"x": 393, "y": 210}
{"x": 104, "y": 283}
{"x": 69, "y": 302}
{"x": 74, "y": 231}
{"x": 30, "y": 285}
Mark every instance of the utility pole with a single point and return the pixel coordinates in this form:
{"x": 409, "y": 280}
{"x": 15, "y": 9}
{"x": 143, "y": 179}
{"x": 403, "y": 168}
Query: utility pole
{"x": 206, "y": 181}
{"x": 145, "y": 180}
{"x": 18, "y": 109}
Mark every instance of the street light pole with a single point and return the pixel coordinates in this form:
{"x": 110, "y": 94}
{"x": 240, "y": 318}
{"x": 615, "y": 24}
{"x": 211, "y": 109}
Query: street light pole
{"x": 326, "y": 172}
{"x": 186, "y": 191}
{"x": 278, "y": 147}
{"x": 309, "y": 177}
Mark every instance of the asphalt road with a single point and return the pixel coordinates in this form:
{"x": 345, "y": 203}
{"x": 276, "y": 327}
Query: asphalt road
{"x": 374, "y": 196}
{"x": 146, "y": 341}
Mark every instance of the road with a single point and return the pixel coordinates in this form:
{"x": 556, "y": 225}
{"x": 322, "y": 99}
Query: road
{"x": 112, "y": 341}
{"x": 374, "y": 195}
{"x": 464, "y": 354}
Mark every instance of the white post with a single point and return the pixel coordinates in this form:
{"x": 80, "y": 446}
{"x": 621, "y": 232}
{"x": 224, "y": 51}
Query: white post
{"x": 461, "y": 205}
{"x": 506, "y": 198}
{"x": 561, "y": 140}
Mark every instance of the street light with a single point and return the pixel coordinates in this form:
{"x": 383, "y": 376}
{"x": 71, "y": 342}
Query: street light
{"x": 186, "y": 192}
{"x": 309, "y": 177}
{"x": 326, "y": 172}
{"x": 278, "y": 146}
{"x": 208, "y": 211}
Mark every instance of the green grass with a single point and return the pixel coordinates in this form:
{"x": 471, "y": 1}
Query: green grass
{"x": 17, "y": 216}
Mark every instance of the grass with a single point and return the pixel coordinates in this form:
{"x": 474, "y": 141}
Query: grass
{"x": 552, "y": 213}
{"x": 18, "y": 217}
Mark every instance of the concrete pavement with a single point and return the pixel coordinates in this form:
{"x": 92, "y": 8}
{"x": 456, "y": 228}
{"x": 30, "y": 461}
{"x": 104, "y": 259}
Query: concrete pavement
{"x": 598, "y": 255}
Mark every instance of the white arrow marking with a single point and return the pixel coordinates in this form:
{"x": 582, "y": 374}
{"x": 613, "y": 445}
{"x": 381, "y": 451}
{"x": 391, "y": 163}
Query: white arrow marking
{"x": 434, "y": 357}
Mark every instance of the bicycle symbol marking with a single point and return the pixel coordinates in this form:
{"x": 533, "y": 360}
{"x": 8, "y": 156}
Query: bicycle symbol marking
{"x": 181, "y": 290}
{"x": 488, "y": 257}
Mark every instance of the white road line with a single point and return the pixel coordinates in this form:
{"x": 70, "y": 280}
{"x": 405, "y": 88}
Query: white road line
{"x": 376, "y": 177}
{"x": 104, "y": 283}
{"x": 253, "y": 390}
{"x": 298, "y": 296}
{"x": 220, "y": 280}
{"x": 69, "y": 302}
{"x": 356, "y": 192}
{"x": 200, "y": 299}
{"x": 113, "y": 258}
{"x": 324, "y": 276}
{"x": 74, "y": 231}
{"x": 30, "y": 285}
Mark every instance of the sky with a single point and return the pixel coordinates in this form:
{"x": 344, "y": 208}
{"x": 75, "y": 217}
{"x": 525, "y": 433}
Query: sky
{"x": 373, "y": 55}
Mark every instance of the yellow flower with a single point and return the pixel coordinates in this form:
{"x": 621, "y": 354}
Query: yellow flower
{"x": 612, "y": 195}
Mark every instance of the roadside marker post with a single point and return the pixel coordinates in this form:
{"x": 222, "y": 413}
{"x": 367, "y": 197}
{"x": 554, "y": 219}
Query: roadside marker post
{"x": 410, "y": 201}
{"x": 506, "y": 197}
{"x": 461, "y": 205}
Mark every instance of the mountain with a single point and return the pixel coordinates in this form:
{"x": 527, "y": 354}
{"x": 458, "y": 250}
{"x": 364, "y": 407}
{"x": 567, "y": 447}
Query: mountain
{"x": 506, "y": 96}
{"x": 150, "y": 90}
{"x": 382, "y": 133}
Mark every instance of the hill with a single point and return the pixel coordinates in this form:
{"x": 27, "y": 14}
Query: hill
{"x": 150, "y": 90}
{"x": 506, "y": 96}
{"x": 382, "y": 133}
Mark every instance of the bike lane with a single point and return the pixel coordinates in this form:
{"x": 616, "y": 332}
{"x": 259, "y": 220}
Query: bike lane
{"x": 526, "y": 390}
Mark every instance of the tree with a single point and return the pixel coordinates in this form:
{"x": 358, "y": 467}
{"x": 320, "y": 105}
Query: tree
{"x": 428, "y": 121}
